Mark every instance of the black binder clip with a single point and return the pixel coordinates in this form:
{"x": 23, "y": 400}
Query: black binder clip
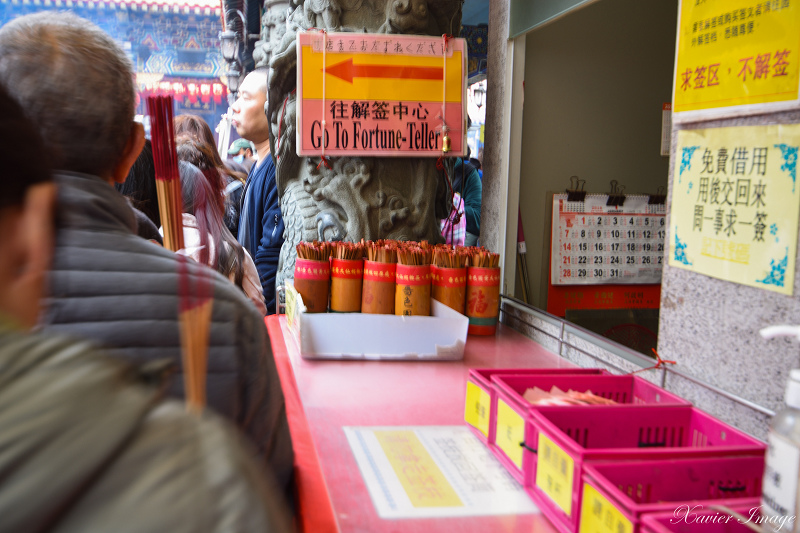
{"x": 575, "y": 193}
{"x": 616, "y": 196}
{"x": 659, "y": 198}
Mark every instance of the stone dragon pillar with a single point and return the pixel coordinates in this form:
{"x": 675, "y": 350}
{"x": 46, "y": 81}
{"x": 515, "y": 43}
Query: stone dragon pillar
{"x": 357, "y": 197}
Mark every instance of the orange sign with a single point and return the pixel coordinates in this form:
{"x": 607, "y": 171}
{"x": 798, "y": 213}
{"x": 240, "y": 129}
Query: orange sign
{"x": 381, "y": 95}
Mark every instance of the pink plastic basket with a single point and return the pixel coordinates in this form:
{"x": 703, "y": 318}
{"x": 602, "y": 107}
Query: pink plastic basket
{"x": 481, "y": 378}
{"x": 701, "y": 519}
{"x": 626, "y": 390}
{"x": 681, "y": 487}
{"x": 575, "y": 436}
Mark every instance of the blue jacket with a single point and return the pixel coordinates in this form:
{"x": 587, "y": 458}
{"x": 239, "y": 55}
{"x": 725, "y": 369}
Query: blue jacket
{"x": 471, "y": 192}
{"x": 261, "y": 226}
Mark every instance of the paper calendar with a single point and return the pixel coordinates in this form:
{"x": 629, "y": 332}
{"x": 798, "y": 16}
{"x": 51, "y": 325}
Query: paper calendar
{"x": 593, "y": 243}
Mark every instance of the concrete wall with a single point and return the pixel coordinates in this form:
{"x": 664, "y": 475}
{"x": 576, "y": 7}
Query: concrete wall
{"x": 595, "y": 82}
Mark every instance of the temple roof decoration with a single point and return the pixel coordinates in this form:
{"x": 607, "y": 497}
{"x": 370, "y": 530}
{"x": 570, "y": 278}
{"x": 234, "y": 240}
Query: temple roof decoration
{"x": 196, "y": 7}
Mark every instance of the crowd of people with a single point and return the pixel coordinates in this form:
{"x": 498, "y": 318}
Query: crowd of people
{"x": 93, "y": 434}
{"x": 91, "y": 427}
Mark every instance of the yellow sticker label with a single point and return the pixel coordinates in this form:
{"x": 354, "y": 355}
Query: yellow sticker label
{"x": 510, "y": 432}
{"x": 598, "y": 515}
{"x": 422, "y": 480}
{"x": 735, "y": 52}
{"x": 554, "y": 470}
{"x": 476, "y": 408}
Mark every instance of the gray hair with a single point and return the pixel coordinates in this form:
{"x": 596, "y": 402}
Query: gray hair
{"x": 75, "y": 83}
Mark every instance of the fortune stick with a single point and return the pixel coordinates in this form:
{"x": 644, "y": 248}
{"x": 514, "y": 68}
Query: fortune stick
{"x": 449, "y": 276}
{"x": 347, "y": 272}
{"x": 413, "y": 278}
{"x": 380, "y": 266}
{"x": 483, "y": 291}
{"x": 312, "y": 274}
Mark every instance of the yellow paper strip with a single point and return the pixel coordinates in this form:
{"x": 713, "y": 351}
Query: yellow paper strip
{"x": 422, "y": 480}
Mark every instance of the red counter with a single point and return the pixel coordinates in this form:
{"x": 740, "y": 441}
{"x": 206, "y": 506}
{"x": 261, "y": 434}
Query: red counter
{"x": 324, "y": 396}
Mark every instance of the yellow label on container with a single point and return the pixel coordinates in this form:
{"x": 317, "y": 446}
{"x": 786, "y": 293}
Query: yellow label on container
{"x": 598, "y": 515}
{"x": 422, "y": 480}
{"x": 735, "y": 52}
{"x": 510, "y": 432}
{"x": 476, "y": 409}
{"x": 554, "y": 470}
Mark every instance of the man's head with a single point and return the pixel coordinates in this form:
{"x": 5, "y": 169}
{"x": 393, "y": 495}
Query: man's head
{"x": 241, "y": 147}
{"x": 249, "y": 117}
{"x": 26, "y": 215}
{"x": 76, "y": 85}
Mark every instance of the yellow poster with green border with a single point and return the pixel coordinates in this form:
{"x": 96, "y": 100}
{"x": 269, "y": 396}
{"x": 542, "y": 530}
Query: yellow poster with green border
{"x": 736, "y": 52}
{"x": 736, "y": 203}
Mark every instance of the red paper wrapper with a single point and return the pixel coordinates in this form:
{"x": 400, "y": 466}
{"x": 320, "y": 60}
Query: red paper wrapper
{"x": 413, "y": 291}
{"x": 346, "y": 278}
{"x": 377, "y": 294}
{"x": 312, "y": 281}
{"x": 483, "y": 300}
{"x": 449, "y": 286}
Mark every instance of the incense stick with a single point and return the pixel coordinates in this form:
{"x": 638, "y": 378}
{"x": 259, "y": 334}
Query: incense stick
{"x": 195, "y": 302}
{"x": 444, "y": 256}
{"x": 381, "y": 251}
{"x": 348, "y": 250}
{"x": 314, "y": 251}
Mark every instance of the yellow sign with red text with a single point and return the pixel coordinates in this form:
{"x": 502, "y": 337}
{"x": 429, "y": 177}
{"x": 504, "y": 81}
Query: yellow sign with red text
{"x": 364, "y": 94}
{"x": 736, "y": 52}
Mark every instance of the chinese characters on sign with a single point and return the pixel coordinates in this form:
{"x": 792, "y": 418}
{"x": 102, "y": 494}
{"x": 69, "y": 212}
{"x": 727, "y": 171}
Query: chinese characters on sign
{"x": 593, "y": 243}
{"x": 433, "y": 471}
{"x": 380, "y": 94}
{"x": 598, "y": 515}
{"x": 736, "y": 53}
{"x": 735, "y": 204}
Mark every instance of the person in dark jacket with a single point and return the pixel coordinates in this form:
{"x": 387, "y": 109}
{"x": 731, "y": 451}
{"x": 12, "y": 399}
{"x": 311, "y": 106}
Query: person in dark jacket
{"x": 468, "y": 184}
{"x": 87, "y": 444}
{"x": 261, "y": 225}
{"x": 106, "y": 283}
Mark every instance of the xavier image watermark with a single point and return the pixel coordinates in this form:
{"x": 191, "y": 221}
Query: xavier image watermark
{"x": 697, "y": 514}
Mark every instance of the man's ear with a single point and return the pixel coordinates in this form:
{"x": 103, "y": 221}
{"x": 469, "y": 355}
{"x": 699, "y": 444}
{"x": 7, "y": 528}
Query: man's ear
{"x": 28, "y": 251}
{"x": 129, "y": 154}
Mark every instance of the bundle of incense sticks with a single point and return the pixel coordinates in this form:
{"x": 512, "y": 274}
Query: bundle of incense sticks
{"x": 444, "y": 256}
{"x": 348, "y": 250}
{"x": 195, "y": 307}
{"x": 381, "y": 251}
{"x": 195, "y": 301}
{"x": 484, "y": 259}
{"x": 165, "y": 159}
{"x": 413, "y": 254}
{"x": 315, "y": 251}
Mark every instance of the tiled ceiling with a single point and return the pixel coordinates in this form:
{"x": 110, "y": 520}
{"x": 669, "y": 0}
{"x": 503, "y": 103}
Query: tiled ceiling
{"x": 475, "y": 12}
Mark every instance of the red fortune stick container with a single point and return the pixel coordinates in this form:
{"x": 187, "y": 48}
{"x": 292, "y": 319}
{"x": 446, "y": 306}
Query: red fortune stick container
{"x": 377, "y": 293}
{"x": 346, "y": 279}
{"x": 312, "y": 281}
{"x": 413, "y": 290}
{"x": 483, "y": 300}
{"x": 449, "y": 286}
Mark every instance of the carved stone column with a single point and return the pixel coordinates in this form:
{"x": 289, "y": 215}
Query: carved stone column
{"x": 353, "y": 198}
{"x": 273, "y": 28}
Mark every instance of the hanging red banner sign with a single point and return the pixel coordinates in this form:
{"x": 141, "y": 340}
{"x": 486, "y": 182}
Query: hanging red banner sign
{"x": 381, "y": 95}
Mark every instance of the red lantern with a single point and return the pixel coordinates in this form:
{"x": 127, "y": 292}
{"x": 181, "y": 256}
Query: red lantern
{"x": 194, "y": 90}
{"x": 205, "y": 92}
{"x": 219, "y": 91}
